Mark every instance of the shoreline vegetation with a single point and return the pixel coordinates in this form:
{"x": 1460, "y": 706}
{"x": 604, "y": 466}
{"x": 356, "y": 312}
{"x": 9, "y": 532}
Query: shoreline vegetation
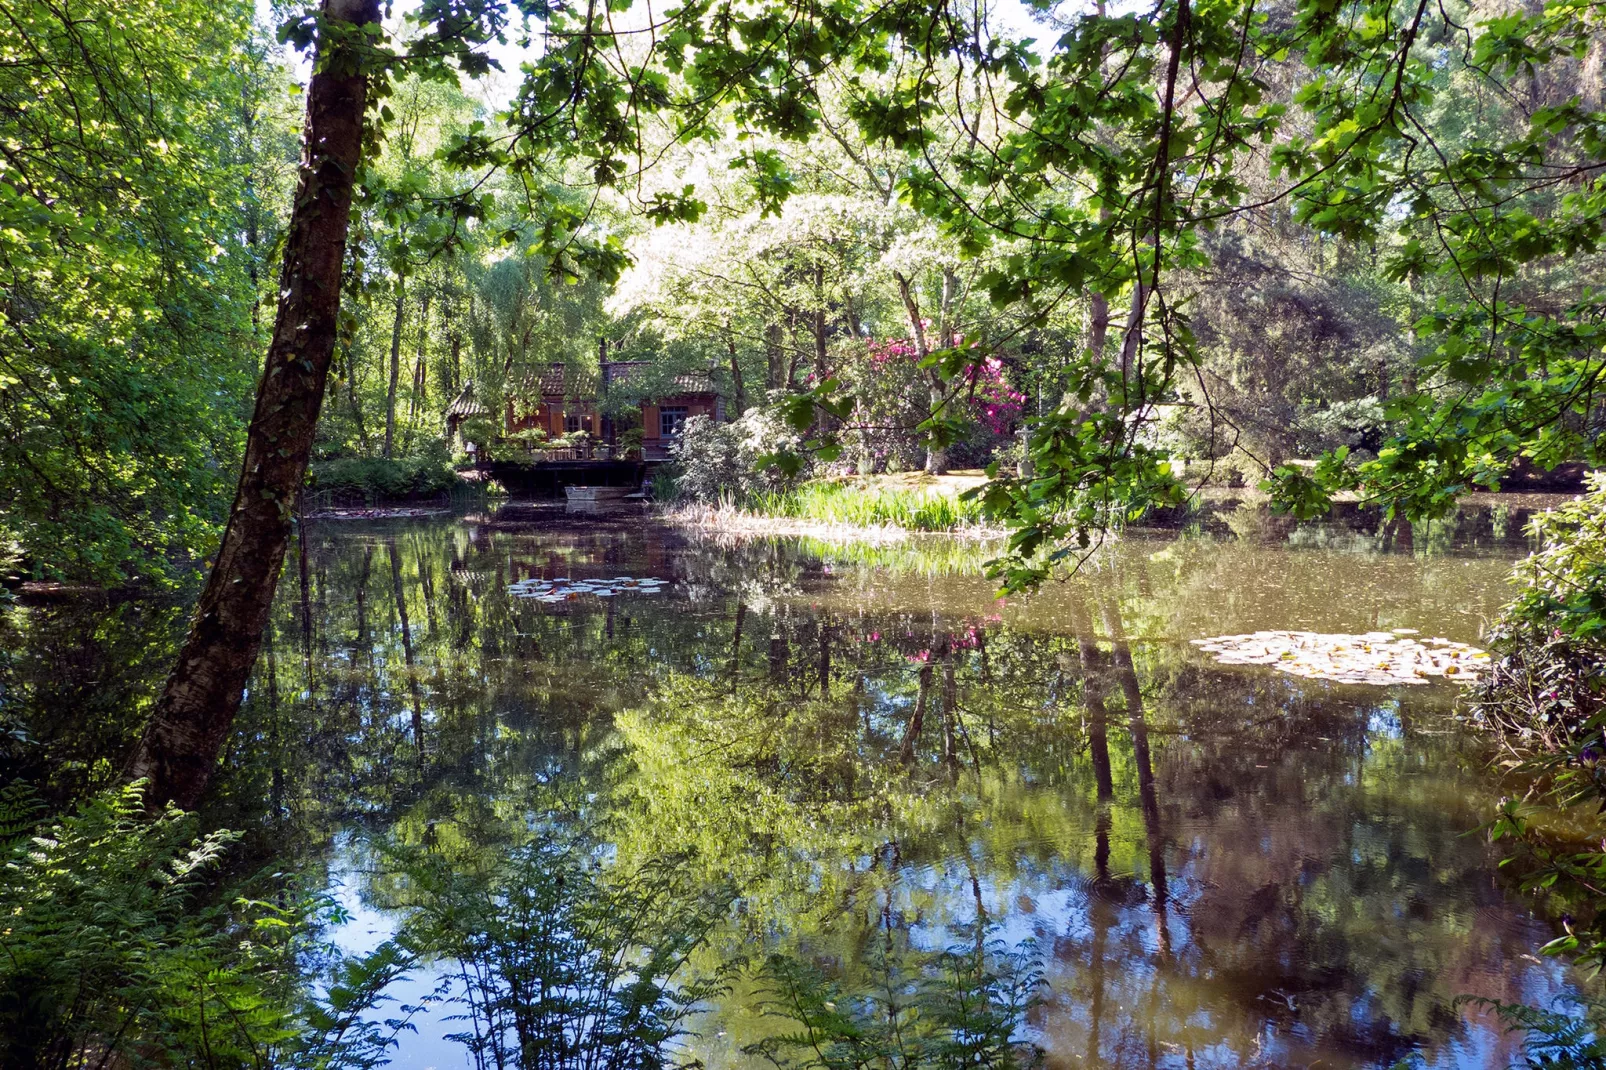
{"x": 890, "y": 508}
{"x": 876, "y": 509}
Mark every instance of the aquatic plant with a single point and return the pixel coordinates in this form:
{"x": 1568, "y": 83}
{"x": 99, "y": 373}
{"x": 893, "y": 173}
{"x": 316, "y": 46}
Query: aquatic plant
{"x": 1369, "y": 658}
{"x": 911, "y": 508}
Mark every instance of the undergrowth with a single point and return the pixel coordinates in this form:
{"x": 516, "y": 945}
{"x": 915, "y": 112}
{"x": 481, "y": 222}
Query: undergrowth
{"x": 1545, "y": 701}
{"x": 118, "y": 951}
{"x": 379, "y": 479}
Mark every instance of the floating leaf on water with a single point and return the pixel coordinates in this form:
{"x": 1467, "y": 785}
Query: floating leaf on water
{"x": 1369, "y": 658}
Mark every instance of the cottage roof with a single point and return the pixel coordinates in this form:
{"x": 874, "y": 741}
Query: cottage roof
{"x": 466, "y": 405}
{"x": 622, "y": 371}
{"x": 561, "y": 380}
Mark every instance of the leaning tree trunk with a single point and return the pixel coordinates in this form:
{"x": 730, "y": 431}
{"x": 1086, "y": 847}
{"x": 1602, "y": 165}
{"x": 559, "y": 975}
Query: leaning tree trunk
{"x": 192, "y": 718}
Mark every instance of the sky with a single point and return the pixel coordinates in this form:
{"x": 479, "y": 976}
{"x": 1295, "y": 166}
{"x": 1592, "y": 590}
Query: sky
{"x": 1011, "y": 17}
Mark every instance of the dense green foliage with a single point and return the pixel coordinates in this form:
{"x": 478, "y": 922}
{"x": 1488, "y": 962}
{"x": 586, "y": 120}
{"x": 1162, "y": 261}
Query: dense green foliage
{"x": 127, "y": 349}
{"x": 423, "y": 476}
{"x": 1548, "y": 687}
{"x": 1546, "y": 699}
{"x": 116, "y": 949}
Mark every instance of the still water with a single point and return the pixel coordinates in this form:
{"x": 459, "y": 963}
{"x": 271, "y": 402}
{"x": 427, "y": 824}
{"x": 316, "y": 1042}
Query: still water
{"x": 1212, "y": 866}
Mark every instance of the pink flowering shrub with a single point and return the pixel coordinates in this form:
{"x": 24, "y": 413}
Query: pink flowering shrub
{"x": 894, "y": 397}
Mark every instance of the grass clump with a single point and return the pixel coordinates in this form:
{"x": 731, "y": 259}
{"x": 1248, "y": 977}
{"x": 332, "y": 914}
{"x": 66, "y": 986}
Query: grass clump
{"x": 911, "y": 508}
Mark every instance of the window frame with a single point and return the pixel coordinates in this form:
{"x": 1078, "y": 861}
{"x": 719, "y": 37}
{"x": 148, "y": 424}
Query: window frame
{"x": 679, "y": 414}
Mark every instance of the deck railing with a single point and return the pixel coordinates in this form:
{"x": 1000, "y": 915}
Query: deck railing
{"x": 596, "y": 451}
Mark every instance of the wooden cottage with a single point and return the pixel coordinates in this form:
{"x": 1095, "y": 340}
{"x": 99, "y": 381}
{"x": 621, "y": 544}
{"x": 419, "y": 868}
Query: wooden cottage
{"x": 560, "y": 400}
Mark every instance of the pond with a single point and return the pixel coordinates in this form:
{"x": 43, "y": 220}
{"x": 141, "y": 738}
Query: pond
{"x": 1211, "y": 865}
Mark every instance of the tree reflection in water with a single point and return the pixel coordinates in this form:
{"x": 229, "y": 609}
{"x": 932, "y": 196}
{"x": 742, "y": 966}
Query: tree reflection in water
{"x": 1220, "y": 868}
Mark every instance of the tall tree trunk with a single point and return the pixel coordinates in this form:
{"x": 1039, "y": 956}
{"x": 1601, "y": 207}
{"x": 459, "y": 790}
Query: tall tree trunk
{"x": 395, "y": 363}
{"x": 917, "y": 719}
{"x": 825, "y": 658}
{"x": 1098, "y": 326}
{"x": 420, "y": 374}
{"x": 1148, "y": 796}
{"x": 946, "y": 328}
{"x": 950, "y": 707}
{"x": 351, "y": 395}
{"x": 936, "y": 456}
{"x": 400, "y": 596}
{"x": 736, "y": 640}
{"x": 792, "y": 315}
{"x": 775, "y": 354}
{"x": 819, "y": 322}
{"x": 192, "y": 718}
{"x": 1093, "y": 701}
{"x": 740, "y": 399}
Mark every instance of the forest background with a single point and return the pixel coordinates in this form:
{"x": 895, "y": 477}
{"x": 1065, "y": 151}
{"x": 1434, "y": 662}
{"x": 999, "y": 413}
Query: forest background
{"x": 1316, "y": 307}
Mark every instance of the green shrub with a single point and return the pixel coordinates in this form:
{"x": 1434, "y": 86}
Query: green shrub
{"x": 715, "y": 462}
{"x": 1547, "y": 688}
{"x": 374, "y": 479}
{"x": 1545, "y": 697}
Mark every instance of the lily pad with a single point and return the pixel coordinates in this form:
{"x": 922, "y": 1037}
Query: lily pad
{"x": 1383, "y": 658}
{"x": 560, "y": 589}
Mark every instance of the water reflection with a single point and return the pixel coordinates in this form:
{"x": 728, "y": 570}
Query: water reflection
{"x": 1220, "y": 867}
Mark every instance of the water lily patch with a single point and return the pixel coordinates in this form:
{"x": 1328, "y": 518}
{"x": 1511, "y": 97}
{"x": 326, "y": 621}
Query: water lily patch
{"x": 1394, "y": 657}
{"x": 553, "y": 592}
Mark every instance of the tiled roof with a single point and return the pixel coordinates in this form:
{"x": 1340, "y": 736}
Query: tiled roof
{"x": 583, "y": 384}
{"x": 558, "y": 380}
{"x": 466, "y": 405}
{"x": 621, "y": 371}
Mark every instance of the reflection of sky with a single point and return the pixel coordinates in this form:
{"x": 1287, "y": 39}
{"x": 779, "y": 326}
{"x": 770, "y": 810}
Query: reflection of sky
{"x": 425, "y": 1047}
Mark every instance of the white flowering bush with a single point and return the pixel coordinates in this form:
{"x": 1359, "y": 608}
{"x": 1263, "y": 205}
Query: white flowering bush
{"x": 717, "y": 462}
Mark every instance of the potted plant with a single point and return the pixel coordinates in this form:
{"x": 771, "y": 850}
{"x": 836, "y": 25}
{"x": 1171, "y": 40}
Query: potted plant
{"x": 631, "y": 443}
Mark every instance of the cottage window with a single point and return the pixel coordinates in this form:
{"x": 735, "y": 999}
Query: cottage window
{"x": 571, "y": 424}
{"x": 671, "y": 418}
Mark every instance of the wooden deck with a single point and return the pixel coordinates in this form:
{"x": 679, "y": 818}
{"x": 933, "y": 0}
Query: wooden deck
{"x": 546, "y": 476}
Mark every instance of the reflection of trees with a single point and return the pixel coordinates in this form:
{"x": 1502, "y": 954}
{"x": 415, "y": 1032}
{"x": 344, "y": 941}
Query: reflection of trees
{"x": 76, "y": 680}
{"x": 1215, "y": 861}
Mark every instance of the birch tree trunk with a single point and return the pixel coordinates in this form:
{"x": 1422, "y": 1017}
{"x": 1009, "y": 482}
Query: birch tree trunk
{"x": 195, "y": 712}
{"x": 739, "y": 389}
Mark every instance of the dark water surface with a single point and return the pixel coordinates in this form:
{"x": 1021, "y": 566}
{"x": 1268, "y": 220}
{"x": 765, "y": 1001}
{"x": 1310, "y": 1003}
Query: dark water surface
{"x": 1218, "y": 867}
